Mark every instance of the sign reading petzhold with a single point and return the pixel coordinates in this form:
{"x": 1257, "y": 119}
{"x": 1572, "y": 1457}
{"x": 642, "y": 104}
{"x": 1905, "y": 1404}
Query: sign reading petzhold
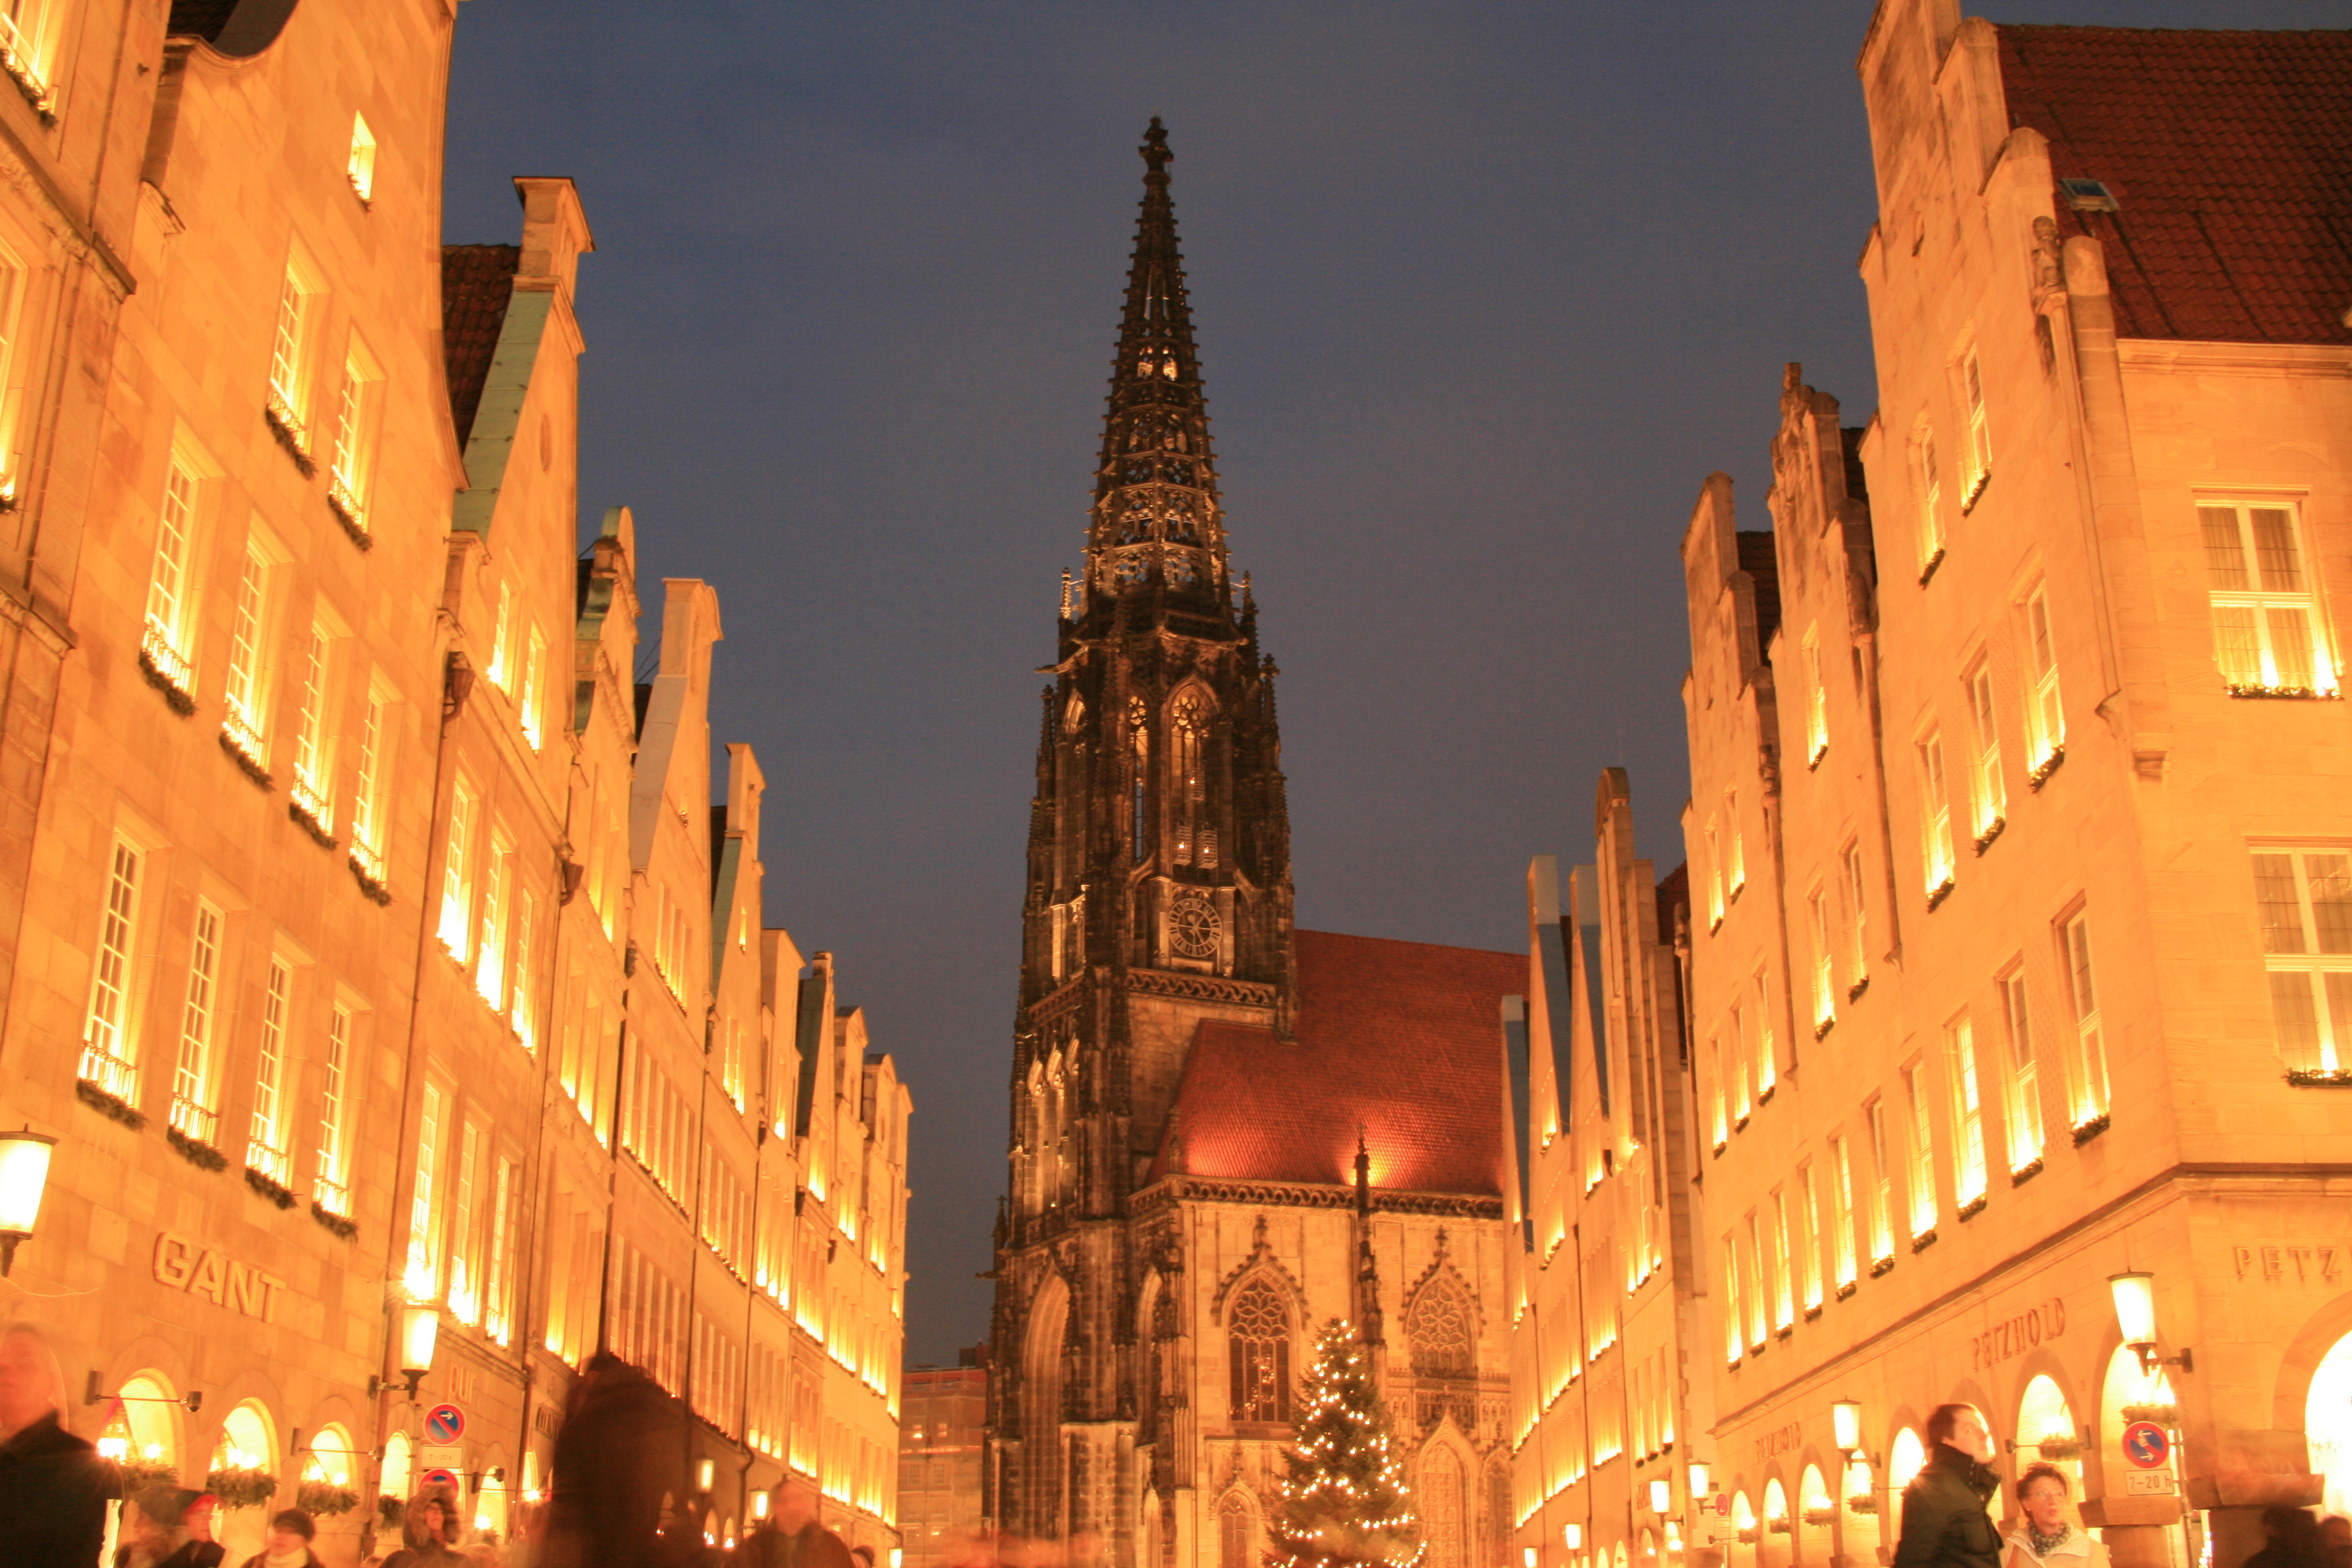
{"x": 444, "y": 1424}
{"x": 200, "y": 1271}
{"x": 2145, "y": 1446}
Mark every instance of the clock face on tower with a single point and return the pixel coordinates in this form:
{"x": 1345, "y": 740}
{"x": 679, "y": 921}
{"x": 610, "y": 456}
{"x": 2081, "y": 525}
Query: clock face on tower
{"x": 1193, "y": 927}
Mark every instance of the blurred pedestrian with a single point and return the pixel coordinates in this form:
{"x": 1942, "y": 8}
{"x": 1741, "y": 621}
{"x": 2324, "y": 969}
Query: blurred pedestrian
{"x": 617, "y": 1463}
{"x": 290, "y": 1534}
{"x": 427, "y": 1530}
{"x": 2044, "y": 1536}
{"x": 2337, "y": 1530}
{"x": 1945, "y": 1524}
{"x": 2295, "y": 1539}
{"x": 53, "y": 1485}
{"x": 202, "y": 1550}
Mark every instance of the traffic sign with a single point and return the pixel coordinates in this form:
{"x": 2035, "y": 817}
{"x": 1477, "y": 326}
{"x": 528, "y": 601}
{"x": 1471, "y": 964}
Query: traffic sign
{"x": 2145, "y": 1446}
{"x": 2147, "y": 1483}
{"x": 444, "y": 1424}
{"x": 443, "y": 1479}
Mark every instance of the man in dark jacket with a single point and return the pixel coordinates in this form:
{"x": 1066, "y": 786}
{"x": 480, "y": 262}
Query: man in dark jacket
{"x": 53, "y": 1485}
{"x": 1945, "y": 1524}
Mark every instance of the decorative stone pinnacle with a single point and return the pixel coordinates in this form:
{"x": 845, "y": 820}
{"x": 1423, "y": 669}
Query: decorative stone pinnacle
{"x": 1155, "y": 152}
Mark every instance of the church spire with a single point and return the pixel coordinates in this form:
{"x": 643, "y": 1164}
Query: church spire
{"x": 1156, "y": 523}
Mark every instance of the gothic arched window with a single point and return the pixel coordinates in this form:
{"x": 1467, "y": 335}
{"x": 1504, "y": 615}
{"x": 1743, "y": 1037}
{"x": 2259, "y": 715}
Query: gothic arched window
{"x": 1441, "y": 1508}
{"x": 1439, "y": 1329}
{"x": 1196, "y": 837}
{"x": 1259, "y": 1334}
{"x": 1138, "y": 744}
{"x": 1236, "y": 1533}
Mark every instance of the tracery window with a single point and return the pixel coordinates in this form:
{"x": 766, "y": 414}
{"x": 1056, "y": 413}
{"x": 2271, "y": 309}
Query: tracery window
{"x": 1138, "y": 741}
{"x": 1236, "y": 1533}
{"x": 1196, "y": 837}
{"x": 1259, "y": 1339}
{"x": 1441, "y": 1509}
{"x": 1439, "y": 1331}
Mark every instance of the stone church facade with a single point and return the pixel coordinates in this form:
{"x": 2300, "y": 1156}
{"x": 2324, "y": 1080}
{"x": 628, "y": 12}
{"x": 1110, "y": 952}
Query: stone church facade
{"x": 1224, "y": 1131}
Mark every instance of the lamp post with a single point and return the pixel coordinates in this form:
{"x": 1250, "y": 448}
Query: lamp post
{"x": 420, "y": 1330}
{"x": 1662, "y": 1495}
{"x": 1572, "y": 1535}
{"x": 24, "y": 1176}
{"x": 1699, "y": 1480}
{"x": 2135, "y": 1297}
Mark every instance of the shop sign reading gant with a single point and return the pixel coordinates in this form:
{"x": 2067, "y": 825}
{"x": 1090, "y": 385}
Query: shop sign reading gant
{"x": 200, "y": 1271}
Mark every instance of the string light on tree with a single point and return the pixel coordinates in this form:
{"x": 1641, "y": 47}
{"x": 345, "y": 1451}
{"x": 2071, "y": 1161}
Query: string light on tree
{"x": 1344, "y": 1501}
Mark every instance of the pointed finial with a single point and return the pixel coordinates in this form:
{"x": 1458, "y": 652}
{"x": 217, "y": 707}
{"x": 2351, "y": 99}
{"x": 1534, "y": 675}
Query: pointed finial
{"x": 1155, "y": 149}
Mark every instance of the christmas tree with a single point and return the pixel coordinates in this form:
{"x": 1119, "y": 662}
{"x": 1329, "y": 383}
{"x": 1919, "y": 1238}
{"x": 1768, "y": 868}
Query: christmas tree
{"x": 1344, "y": 1501}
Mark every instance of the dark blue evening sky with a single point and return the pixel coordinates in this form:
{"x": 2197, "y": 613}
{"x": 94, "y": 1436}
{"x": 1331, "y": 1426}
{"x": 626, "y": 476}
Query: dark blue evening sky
{"x": 1483, "y": 292}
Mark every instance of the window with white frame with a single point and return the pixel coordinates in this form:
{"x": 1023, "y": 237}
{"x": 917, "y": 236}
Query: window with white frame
{"x": 1935, "y": 815}
{"x": 489, "y": 968}
{"x": 1768, "y": 1061}
{"x": 25, "y": 45}
{"x": 312, "y": 790}
{"x": 1737, "y": 873}
{"x": 1979, "y": 432}
{"x": 1926, "y": 483}
{"x": 2090, "y": 1043}
{"x": 244, "y": 720}
{"x": 332, "y": 1189}
{"x": 423, "y": 1276}
{"x": 535, "y": 657}
{"x": 498, "y": 1270}
{"x": 1732, "y": 1346}
{"x": 265, "y": 1148}
{"x": 1841, "y": 1194}
{"x": 168, "y": 640}
{"x": 1817, "y": 912}
{"x": 1722, "y": 1091}
{"x": 1988, "y": 791}
{"x": 1743, "y": 1103}
{"x": 351, "y": 457}
{"x": 2025, "y": 1073}
{"x": 1817, "y": 700}
{"x": 2046, "y": 719}
{"x": 501, "y": 671}
{"x": 520, "y": 1006}
{"x": 300, "y": 299}
{"x": 1714, "y": 874}
{"x": 109, "y": 1053}
{"x": 1968, "y": 1111}
{"x": 464, "y": 1261}
{"x": 368, "y": 787}
{"x": 192, "y": 1077}
{"x": 360, "y": 167}
{"x": 1759, "y": 1303}
{"x": 1923, "y": 1150}
{"x": 1809, "y": 1200}
{"x": 2304, "y": 897}
{"x": 1857, "y": 903}
{"x": 2269, "y": 635}
{"x": 1882, "y": 1175}
{"x": 457, "y": 871}
{"x": 1784, "y": 1293}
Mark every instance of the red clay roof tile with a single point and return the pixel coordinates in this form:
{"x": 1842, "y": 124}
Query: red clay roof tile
{"x": 1401, "y": 1038}
{"x": 2230, "y": 155}
{"x": 476, "y": 282}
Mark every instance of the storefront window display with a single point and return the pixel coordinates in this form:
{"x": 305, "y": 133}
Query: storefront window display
{"x": 2327, "y": 1424}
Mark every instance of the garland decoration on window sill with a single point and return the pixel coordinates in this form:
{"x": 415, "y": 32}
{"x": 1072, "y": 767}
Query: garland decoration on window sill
{"x": 1850, "y": 1287}
{"x": 247, "y": 762}
{"x": 2320, "y": 1077}
{"x": 310, "y": 823}
{"x": 346, "y": 508}
{"x": 1818, "y": 752}
{"x": 1923, "y": 1240}
{"x": 1719, "y": 1147}
{"x": 339, "y": 1226}
{"x": 114, "y": 1105}
{"x": 241, "y": 1487}
{"x": 1817, "y": 1517}
{"x": 1928, "y": 569}
{"x": 1785, "y": 1331}
{"x": 2040, "y": 775}
{"x": 201, "y": 1155}
{"x": 1939, "y": 892}
{"x": 36, "y": 92}
{"x": 138, "y": 1474}
{"x": 1884, "y": 1265}
{"x": 325, "y": 1497}
{"x": 1813, "y": 1312}
{"x": 2292, "y": 693}
{"x": 2087, "y": 1130}
{"x": 1862, "y": 1503}
{"x": 1853, "y": 992}
{"x": 1739, "y": 1122}
{"x": 1973, "y": 1208}
{"x": 2059, "y": 1450}
{"x": 1992, "y": 831}
{"x": 1976, "y": 492}
{"x": 2025, "y": 1173}
{"x": 1764, "y": 1095}
{"x": 2160, "y": 1415}
{"x": 284, "y": 426}
{"x": 1777, "y": 1524}
{"x": 177, "y": 696}
{"x": 372, "y": 886}
{"x": 269, "y": 1187}
{"x": 1747, "y": 1536}
{"x": 1824, "y": 1027}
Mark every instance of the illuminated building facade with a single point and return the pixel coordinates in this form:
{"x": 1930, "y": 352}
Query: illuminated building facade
{"x": 942, "y": 1438}
{"x": 1606, "y": 1290}
{"x": 1224, "y": 1132}
{"x": 391, "y": 947}
{"x": 2018, "y": 817}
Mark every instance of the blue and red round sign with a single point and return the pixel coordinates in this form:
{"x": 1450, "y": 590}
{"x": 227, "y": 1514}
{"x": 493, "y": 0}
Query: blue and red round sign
{"x": 444, "y": 1424}
{"x": 443, "y": 1479}
{"x": 2146, "y": 1445}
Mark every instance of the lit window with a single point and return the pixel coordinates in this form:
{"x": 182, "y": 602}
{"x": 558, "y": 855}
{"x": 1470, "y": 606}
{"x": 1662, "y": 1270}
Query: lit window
{"x": 1988, "y": 792}
{"x": 1882, "y": 1194}
{"x": 2304, "y": 897}
{"x": 1979, "y": 452}
{"x": 1759, "y": 1282}
{"x": 1841, "y": 1194}
{"x": 367, "y": 797}
{"x": 362, "y": 166}
{"x": 351, "y": 459}
{"x": 424, "y": 1272}
{"x": 2268, "y": 634}
{"x": 2024, "y": 1076}
{"x": 1259, "y": 1354}
{"x": 1138, "y": 739}
{"x": 489, "y": 970}
{"x": 243, "y": 721}
{"x": 1714, "y": 876}
{"x": 309, "y": 789}
{"x": 535, "y": 657}
{"x": 1923, "y": 1150}
{"x": 1722, "y": 1119}
{"x": 24, "y": 46}
{"x": 332, "y": 1190}
{"x": 1817, "y": 700}
{"x": 1731, "y": 1342}
{"x": 1935, "y": 815}
{"x": 166, "y": 640}
{"x": 1967, "y": 1112}
{"x": 1927, "y": 484}
{"x": 192, "y": 1110}
{"x": 1857, "y": 898}
{"x": 465, "y": 1280}
{"x": 1783, "y": 1291}
{"x": 501, "y": 670}
{"x": 1810, "y": 1213}
{"x": 1768, "y": 1067}
{"x": 1817, "y": 907}
{"x": 266, "y": 1150}
{"x": 289, "y": 350}
{"x": 107, "y": 1056}
{"x": 456, "y": 915}
{"x": 1743, "y": 1105}
{"x": 526, "y": 933}
{"x": 1196, "y": 832}
{"x": 2090, "y": 1047}
{"x": 2046, "y": 718}
{"x": 1737, "y": 873}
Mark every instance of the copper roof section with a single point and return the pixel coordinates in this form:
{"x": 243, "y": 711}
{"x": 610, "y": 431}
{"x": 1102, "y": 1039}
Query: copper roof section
{"x": 2230, "y": 155}
{"x": 1402, "y": 1039}
{"x": 476, "y": 282}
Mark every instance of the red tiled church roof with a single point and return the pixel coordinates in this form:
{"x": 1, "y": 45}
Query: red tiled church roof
{"x": 1401, "y": 1038}
{"x": 476, "y": 282}
{"x": 2230, "y": 155}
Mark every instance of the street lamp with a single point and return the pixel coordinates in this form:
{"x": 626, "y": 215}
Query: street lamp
{"x": 759, "y": 1506}
{"x": 1572, "y": 1535}
{"x": 2135, "y": 1295}
{"x": 1698, "y": 1480}
{"x": 24, "y": 1175}
{"x": 420, "y": 1330}
{"x": 706, "y": 1473}
{"x": 1845, "y": 1431}
{"x": 1528, "y": 1555}
{"x": 1662, "y": 1495}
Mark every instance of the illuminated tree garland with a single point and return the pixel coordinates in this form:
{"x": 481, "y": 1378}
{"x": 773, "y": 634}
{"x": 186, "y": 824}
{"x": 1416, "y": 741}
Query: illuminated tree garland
{"x": 1344, "y": 1501}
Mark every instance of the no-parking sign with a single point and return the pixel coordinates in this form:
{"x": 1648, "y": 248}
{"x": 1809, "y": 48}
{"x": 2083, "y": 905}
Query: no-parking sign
{"x": 2145, "y": 1446}
{"x": 443, "y": 1479}
{"x": 444, "y": 1424}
